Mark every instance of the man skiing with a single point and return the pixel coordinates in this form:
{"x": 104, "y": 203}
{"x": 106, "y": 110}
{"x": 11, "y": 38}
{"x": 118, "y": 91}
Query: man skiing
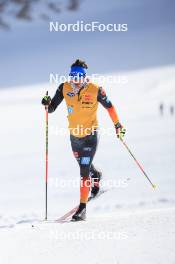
{"x": 82, "y": 98}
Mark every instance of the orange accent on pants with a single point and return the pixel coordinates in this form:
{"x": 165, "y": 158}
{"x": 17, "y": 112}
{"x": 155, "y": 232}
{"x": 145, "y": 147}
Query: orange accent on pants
{"x": 84, "y": 189}
{"x": 113, "y": 114}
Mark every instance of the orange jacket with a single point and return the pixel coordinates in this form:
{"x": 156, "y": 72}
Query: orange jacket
{"x": 82, "y": 107}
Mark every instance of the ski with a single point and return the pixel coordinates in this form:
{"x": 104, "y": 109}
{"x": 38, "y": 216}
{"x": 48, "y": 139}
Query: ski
{"x": 66, "y": 216}
{"x": 63, "y": 219}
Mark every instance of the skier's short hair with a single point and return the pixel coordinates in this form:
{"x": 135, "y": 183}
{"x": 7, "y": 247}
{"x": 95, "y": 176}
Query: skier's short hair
{"x": 80, "y": 63}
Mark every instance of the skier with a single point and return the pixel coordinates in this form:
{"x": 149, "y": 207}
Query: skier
{"x": 82, "y": 97}
{"x": 171, "y": 110}
{"x": 161, "y": 108}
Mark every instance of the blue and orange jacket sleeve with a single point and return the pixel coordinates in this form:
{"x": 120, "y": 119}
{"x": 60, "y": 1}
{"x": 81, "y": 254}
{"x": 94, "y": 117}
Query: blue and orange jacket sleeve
{"x": 103, "y": 99}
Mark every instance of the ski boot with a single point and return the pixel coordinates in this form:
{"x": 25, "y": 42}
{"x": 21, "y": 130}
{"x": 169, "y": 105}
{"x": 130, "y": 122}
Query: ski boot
{"x": 80, "y": 214}
{"x": 95, "y": 182}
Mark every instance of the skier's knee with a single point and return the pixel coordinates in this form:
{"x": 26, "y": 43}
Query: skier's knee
{"x": 84, "y": 171}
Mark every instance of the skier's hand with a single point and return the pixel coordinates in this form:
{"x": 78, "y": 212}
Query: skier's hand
{"x": 120, "y": 130}
{"x": 46, "y": 100}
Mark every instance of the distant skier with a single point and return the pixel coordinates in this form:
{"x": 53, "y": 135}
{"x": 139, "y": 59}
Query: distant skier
{"x": 161, "y": 108}
{"x": 82, "y": 99}
{"x": 172, "y": 110}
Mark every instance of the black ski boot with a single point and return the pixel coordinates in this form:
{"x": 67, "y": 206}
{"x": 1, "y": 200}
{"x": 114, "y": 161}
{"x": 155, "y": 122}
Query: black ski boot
{"x": 95, "y": 182}
{"x": 80, "y": 214}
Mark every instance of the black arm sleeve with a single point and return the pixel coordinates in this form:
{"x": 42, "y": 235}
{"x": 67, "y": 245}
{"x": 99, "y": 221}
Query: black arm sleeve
{"x": 57, "y": 99}
{"x": 103, "y": 99}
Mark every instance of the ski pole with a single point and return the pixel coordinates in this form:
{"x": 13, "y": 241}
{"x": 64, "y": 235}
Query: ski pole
{"x": 141, "y": 168}
{"x": 46, "y": 159}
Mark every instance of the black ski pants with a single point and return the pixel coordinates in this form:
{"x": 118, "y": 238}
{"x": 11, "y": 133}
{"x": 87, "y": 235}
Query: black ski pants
{"x": 84, "y": 150}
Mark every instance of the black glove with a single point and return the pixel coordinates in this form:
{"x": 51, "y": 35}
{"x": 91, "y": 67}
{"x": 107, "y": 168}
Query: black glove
{"x": 120, "y": 130}
{"x": 46, "y": 100}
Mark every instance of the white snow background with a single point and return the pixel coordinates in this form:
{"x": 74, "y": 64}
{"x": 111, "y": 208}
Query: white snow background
{"x": 140, "y": 219}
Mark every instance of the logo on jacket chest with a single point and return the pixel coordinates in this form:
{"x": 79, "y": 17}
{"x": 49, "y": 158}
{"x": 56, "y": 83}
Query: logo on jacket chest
{"x": 87, "y": 97}
{"x": 83, "y": 100}
{"x": 87, "y": 100}
{"x": 70, "y": 94}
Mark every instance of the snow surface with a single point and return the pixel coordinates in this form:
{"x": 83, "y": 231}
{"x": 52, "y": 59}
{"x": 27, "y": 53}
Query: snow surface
{"x": 140, "y": 220}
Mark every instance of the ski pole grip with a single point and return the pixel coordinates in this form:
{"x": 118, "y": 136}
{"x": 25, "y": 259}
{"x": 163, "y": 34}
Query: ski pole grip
{"x": 46, "y": 107}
